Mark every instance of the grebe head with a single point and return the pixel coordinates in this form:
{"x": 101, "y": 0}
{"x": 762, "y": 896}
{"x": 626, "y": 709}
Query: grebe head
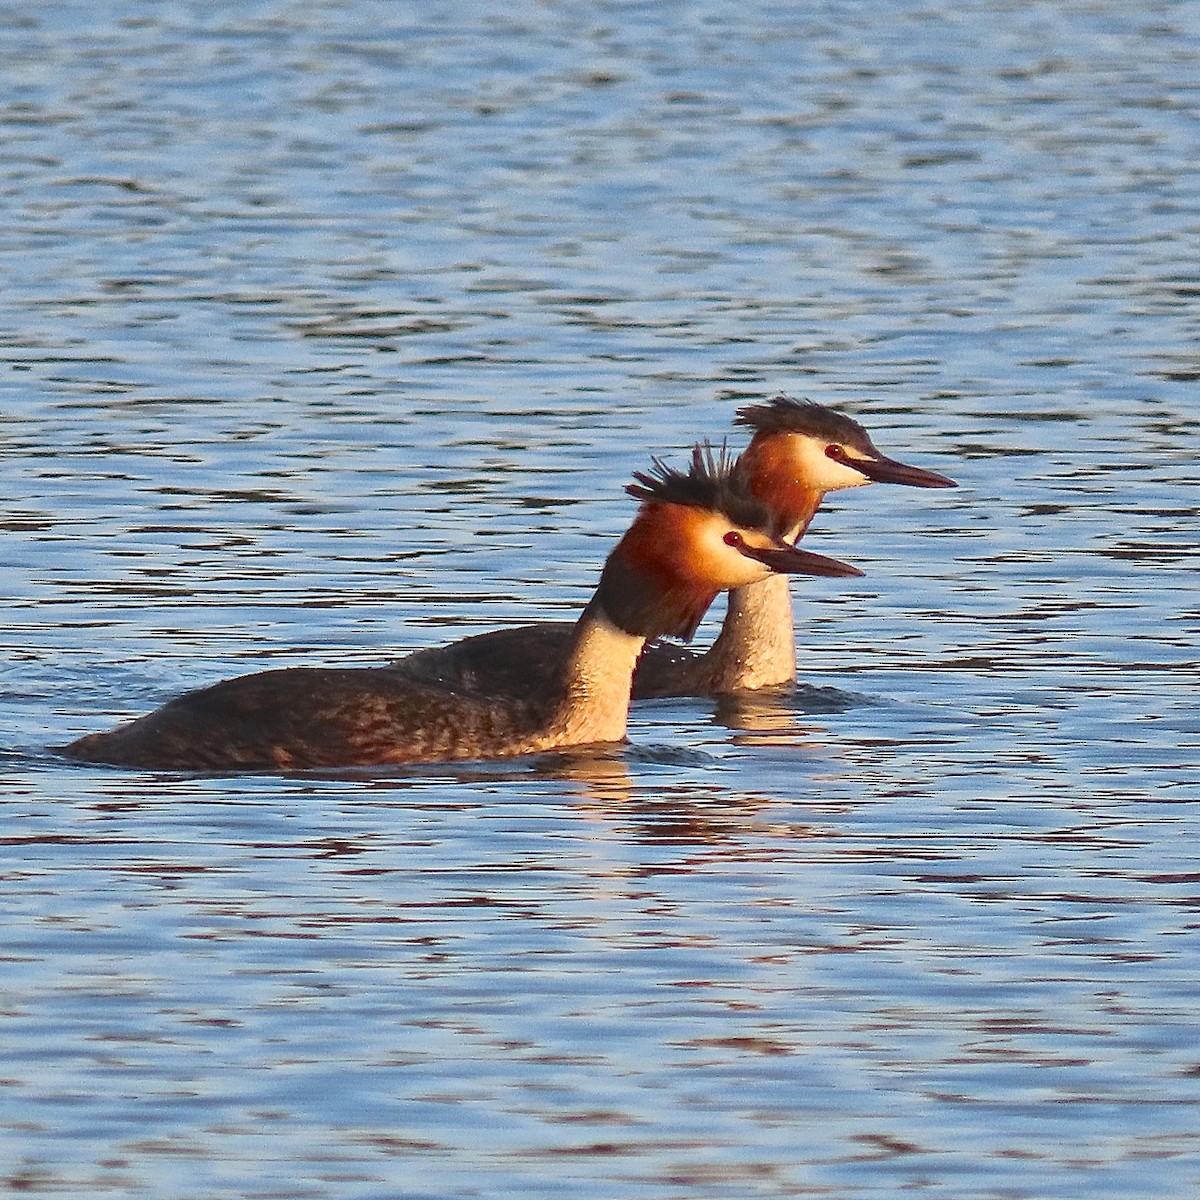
{"x": 697, "y": 533}
{"x": 805, "y": 443}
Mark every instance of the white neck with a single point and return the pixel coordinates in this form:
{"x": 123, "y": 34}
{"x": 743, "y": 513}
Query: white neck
{"x": 597, "y": 683}
{"x": 757, "y": 644}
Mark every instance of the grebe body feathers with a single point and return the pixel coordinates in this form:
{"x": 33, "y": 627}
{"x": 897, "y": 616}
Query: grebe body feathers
{"x": 696, "y": 533}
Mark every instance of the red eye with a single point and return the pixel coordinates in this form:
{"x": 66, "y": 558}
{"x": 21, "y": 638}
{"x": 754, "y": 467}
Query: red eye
{"x": 733, "y": 538}
{"x": 836, "y": 453}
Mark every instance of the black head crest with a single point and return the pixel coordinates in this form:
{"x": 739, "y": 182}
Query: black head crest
{"x": 711, "y": 481}
{"x": 782, "y": 414}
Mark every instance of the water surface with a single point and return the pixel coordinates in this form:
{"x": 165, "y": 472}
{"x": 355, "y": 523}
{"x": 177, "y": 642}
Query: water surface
{"x": 332, "y": 331}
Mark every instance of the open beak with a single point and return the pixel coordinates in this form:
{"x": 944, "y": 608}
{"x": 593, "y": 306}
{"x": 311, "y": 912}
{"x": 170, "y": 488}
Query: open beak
{"x": 888, "y": 470}
{"x": 788, "y": 560}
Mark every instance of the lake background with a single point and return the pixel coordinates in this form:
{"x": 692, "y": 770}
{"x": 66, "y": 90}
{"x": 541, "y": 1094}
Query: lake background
{"x": 330, "y": 331}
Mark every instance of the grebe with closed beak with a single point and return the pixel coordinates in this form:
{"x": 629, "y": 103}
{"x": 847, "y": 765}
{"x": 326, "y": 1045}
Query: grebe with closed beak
{"x": 800, "y": 450}
{"x": 696, "y": 533}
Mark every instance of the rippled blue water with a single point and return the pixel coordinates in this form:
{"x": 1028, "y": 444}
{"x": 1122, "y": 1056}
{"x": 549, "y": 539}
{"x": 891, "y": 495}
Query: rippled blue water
{"x": 331, "y": 331}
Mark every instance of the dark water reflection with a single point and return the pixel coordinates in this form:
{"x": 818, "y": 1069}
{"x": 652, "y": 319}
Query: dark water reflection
{"x": 332, "y": 331}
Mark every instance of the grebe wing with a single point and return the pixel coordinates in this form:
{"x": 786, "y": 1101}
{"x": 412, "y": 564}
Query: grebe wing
{"x": 528, "y": 660}
{"x": 520, "y": 662}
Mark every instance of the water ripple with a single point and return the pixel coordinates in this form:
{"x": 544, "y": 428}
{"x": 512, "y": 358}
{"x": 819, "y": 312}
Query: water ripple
{"x": 334, "y": 331}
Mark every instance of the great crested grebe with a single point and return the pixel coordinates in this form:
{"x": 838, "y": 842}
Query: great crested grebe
{"x": 696, "y": 533}
{"x": 800, "y": 450}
